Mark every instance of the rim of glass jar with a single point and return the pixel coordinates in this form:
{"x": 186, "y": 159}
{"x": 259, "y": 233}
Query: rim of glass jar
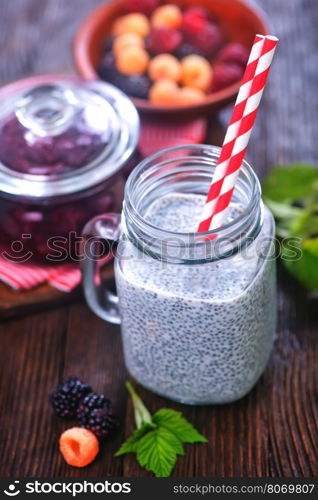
{"x": 132, "y": 217}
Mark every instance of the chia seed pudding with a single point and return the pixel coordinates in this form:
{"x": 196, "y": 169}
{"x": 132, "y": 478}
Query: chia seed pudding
{"x": 196, "y": 333}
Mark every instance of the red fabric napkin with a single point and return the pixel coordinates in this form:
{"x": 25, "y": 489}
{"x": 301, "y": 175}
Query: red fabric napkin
{"x": 27, "y": 276}
{"x": 155, "y": 135}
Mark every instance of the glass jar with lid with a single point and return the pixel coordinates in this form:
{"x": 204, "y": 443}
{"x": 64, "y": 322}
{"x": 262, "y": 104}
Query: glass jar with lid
{"x": 64, "y": 143}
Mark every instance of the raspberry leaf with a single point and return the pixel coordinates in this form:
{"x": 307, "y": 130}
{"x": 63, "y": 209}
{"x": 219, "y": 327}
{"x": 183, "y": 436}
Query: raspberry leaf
{"x": 130, "y": 446}
{"x": 174, "y": 422}
{"x": 142, "y": 415}
{"x": 305, "y": 269}
{"x": 157, "y": 451}
{"x": 290, "y": 183}
{"x": 157, "y": 440}
{"x": 292, "y": 195}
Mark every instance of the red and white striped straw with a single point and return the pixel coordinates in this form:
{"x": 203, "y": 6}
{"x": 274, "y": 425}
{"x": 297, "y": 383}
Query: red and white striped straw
{"x": 238, "y": 133}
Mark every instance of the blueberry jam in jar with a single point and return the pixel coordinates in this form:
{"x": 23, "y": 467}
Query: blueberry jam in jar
{"x": 64, "y": 147}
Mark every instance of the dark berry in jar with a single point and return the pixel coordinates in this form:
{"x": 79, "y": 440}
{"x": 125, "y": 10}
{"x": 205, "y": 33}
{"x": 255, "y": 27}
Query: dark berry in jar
{"x": 25, "y": 152}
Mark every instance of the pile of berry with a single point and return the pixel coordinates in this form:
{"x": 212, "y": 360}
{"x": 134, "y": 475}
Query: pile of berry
{"x": 74, "y": 399}
{"x": 168, "y": 55}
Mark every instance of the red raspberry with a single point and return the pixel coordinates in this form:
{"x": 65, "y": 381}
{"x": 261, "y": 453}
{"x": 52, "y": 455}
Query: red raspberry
{"x": 194, "y": 21}
{"x": 202, "y": 12}
{"x": 164, "y": 40}
{"x": 78, "y": 446}
{"x": 208, "y": 41}
{"x": 234, "y": 53}
{"x": 198, "y": 12}
{"x": 225, "y": 74}
{"x": 144, "y": 6}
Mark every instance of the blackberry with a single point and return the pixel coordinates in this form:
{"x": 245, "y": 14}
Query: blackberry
{"x": 107, "y": 68}
{"x": 132, "y": 85}
{"x": 186, "y": 49}
{"x": 96, "y": 414}
{"x": 67, "y": 396}
{"x": 135, "y": 85}
{"x": 108, "y": 45}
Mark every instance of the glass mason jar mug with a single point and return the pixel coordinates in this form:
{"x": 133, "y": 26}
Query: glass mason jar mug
{"x": 197, "y": 310}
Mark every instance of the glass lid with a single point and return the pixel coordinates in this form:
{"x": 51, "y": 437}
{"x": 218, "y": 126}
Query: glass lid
{"x": 59, "y": 135}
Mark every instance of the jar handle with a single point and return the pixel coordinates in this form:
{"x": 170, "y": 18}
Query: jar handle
{"x": 101, "y": 300}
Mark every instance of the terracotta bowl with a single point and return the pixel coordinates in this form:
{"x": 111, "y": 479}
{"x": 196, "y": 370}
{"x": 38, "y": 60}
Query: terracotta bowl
{"x": 239, "y": 20}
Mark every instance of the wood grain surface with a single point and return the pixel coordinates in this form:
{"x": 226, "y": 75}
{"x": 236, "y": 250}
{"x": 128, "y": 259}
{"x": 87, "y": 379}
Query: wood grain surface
{"x": 271, "y": 432}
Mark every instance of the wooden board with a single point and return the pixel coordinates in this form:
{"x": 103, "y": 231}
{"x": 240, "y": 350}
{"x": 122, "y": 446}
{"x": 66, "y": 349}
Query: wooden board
{"x": 16, "y": 303}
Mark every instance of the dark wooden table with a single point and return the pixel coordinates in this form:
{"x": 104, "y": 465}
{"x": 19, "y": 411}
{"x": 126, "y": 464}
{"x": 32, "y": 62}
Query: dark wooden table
{"x": 272, "y": 431}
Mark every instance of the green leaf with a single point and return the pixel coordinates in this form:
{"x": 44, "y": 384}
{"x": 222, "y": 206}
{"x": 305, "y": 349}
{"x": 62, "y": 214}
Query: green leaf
{"x": 290, "y": 183}
{"x": 282, "y": 210}
{"x": 158, "y": 441}
{"x": 157, "y": 451}
{"x": 311, "y": 246}
{"x": 174, "y": 422}
{"x": 305, "y": 268}
{"x": 130, "y": 446}
{"x": 291, "y": 193}
{"x": 306, "y": 225}
{"x": 142, "y": 415}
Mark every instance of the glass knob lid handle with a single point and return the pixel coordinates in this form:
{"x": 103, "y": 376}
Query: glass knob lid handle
{"x": 47, "y": 110}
